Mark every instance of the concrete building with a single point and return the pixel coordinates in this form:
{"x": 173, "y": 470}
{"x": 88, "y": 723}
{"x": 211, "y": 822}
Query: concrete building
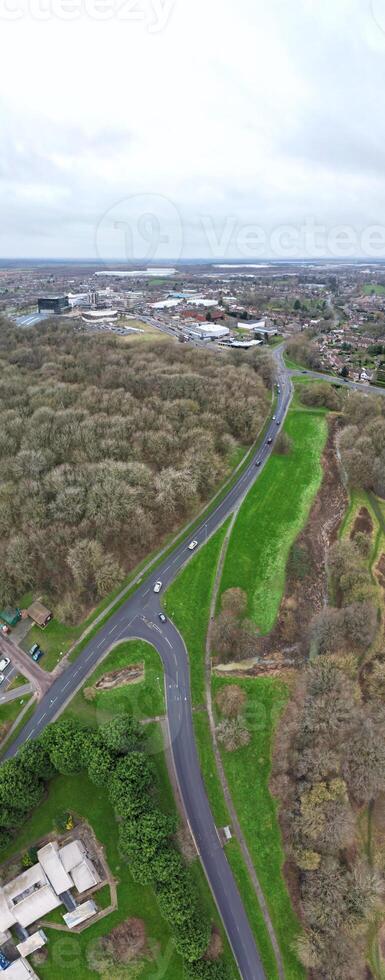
{"x": 42, "y": 888}
{"x": 99, "y": 316}
{"x": 21, "y": 970}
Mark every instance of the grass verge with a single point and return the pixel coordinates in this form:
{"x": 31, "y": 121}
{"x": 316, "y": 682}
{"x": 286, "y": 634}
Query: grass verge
{"x": 248, "y": 773}
{"x": 272, "y": 515}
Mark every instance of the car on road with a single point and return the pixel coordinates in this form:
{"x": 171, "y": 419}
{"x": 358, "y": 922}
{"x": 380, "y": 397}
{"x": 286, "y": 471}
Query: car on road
{"x": 4, "y": 663}
{"x": 157, "y": 586}
{"x": 278, "y": 422}
{"x": 162, "y": 618}
{"x": 269, "y": 441}
{"x": 274, "y": 418}
{"x": 2, "y": 678}
{"x": 192, "y": 545}
{"x": 4, "y": 629}
{"x": 258, "y": 462}
{"x": 303, "y": 372}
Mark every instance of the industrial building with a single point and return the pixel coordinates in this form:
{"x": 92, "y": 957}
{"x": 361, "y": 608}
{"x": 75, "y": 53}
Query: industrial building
{"x": 58, "y": 304}
{"x": 203, "y": 331}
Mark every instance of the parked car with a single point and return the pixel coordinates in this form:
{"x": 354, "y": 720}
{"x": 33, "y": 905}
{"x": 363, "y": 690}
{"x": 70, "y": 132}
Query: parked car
{"x": 4, "y": 629}
{"x": 4, "y": 663}
{"x": 192, "y": 545}
{"x": 33, "y": 649}
{"x": 2, "y": 678}
{"x": 157, "y": 586}
{"x": 162, "y": 618}
{"x": 37, "y": 655}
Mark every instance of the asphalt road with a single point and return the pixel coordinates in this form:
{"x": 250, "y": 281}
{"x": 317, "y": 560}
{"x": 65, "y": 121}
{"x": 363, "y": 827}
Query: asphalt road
{"x": 139, "y": 617}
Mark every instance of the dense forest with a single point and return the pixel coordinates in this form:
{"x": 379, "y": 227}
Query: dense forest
{"x": 105, "y": 447}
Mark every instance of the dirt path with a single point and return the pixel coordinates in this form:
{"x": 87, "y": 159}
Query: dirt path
{"x": 236, "y": 827}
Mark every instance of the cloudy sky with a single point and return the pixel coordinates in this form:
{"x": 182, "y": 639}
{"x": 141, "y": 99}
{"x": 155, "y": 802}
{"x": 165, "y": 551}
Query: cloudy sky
{"x": 169, "y": 128}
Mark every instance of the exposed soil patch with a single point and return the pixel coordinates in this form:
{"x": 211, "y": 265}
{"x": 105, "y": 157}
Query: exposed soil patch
{"x": 127, "y": 941}
{"x": 363, "y": 523}
{"x": 215, "y": 947}
{"x": 118, "y": 678}
{"x": 380, "y": 571}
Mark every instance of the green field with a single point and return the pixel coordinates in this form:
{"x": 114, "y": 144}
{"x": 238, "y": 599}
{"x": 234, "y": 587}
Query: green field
{"x": 248, "y": 773}
{"x": 271, "y": 517}
{"x": 373, "y": 288}
{"x": 142, "y": 699}
{"x": 187, "y": 602}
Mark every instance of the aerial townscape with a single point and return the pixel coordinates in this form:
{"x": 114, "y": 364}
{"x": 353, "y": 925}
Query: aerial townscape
{"x": 192, "y": 490}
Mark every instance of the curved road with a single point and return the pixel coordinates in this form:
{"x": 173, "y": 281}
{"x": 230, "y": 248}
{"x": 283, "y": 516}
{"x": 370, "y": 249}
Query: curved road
{"x": 139, "y": 617}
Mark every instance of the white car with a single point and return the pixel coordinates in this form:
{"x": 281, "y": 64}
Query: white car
{"x": 157, "y": 586}
{"x": 2, "y": 678}
{"x": 4, "y": 663}
{"x": 192, "y": 545}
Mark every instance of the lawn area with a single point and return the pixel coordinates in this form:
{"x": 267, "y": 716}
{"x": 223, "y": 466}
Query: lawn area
{"x": 373, "y": 288}
{"x": 54, "y": 639}
{"x": 9, "y": 712}
{"x": 187, "y": 602}
{"x": 271, "y": 517}
{"x": 248, "y": 773}
{"x": 143, "y": 699}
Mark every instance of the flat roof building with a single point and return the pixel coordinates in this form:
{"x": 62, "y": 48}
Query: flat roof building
{"x": 49, "y": 860}
{"x": 58, "y": 304}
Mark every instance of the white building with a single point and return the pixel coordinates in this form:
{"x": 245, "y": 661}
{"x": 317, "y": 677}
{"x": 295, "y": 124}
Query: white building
{"x": 203, "y": 331}
{"x": 38, "y": 890}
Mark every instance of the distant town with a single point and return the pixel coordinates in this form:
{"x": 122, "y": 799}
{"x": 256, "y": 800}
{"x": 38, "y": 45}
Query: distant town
{"x": 341, "y": 307}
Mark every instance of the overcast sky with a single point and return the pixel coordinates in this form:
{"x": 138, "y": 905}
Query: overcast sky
{"x": 170, "y": 128}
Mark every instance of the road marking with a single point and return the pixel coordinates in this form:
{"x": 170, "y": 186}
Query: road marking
{"x": 43, "y": 716}
{"x": 53, "y": 700}
{"x": 168, "y": 641}
{"x": 114, "y": 628}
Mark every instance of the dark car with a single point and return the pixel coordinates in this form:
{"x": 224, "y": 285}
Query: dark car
{"x": 34, "y": 648}
{"x": 37, "y": 655}
{"x": 258, "y": 462}
{"x": 162, "y": 618}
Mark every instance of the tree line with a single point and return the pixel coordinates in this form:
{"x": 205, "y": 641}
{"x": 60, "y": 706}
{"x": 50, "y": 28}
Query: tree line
{"x": 107, "y": 447}
{"x": 114, "y": 757}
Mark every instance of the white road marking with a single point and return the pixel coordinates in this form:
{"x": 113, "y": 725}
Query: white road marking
{"x": 168, "y": 641}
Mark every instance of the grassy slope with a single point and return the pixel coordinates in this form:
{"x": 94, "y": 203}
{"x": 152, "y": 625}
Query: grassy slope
{"x": 271, "y": 517}
{"x": 187, "y": 601}
{"x": 248, "y": 773}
